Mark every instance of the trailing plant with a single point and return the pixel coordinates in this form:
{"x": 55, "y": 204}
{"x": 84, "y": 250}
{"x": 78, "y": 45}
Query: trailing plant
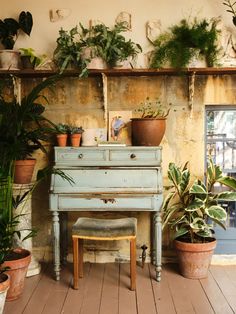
{"x": 190, "y": 209}
{"x": 153, "y": 109}
{"x": 184, "y": 41}
{"x": 10, "y": 28}
{"x": 109, "y": 43}
{"x": 231, "y": 9}
{"x": 69, "y": 51}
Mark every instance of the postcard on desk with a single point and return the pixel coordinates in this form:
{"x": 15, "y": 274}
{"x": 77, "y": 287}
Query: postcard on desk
{"x": 120, "y": 127}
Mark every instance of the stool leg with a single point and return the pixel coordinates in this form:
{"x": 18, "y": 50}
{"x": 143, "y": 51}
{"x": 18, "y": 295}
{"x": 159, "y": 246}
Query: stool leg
{"x": 75, "y": 262}
{"x": 133, "y": 264}
{"x": 81, "y": 273}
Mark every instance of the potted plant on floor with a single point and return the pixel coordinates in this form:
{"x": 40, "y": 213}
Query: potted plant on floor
{"x": 4, "y": 284}
{"x": 149, "y": 128}
{"x": 186, "y": 41}
{"x": 23, "y": 129}
{"x": 9, "y": 31}
{"x": 190, "y": 210}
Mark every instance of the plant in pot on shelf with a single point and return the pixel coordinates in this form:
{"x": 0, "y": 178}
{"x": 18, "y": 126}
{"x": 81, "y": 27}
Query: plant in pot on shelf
{"x": 185, "y": 42}
{"x": 149, "y": 128}
{"x": 9, "y": 31}
{"x": 29, "y": 59}
{"x": 23, "y": 129}
{"x": 109, "y": 44}
{"x": 75, "y": 135}
{"x": 68, "y": 53}
{"x": 190, "y": 210}
{"x": 61, "y": 134}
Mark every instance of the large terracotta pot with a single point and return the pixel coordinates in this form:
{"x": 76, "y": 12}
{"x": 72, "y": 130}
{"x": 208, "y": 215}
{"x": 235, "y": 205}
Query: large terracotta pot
{"x": 4, "y": 286}
{"x": 194, "y": 258}
{"x": 24, "y": 171}
{"x": 147, "y": 131}
{"x": 18, "y": 269}
{"x": 75, "y": 139}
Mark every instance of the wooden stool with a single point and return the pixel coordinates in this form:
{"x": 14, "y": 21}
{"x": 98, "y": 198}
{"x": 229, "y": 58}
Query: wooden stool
{"x": 103, "y": 229}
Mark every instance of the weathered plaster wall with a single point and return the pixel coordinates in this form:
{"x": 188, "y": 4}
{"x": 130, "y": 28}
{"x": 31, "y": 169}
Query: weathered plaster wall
{"x": 44, "y": 33}
{"x": 80, "y": 101}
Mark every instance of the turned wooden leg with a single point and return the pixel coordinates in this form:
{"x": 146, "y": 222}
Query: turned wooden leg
{"x": 75, "y": 262}
{"x": 133, "y": 264}
{"x": 81, "y": 273}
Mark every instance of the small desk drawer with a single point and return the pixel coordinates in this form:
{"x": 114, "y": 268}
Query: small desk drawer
{"x": 110, "y": 202}
{"x": 77, "y": 155}
{"x": 136, "y": 156}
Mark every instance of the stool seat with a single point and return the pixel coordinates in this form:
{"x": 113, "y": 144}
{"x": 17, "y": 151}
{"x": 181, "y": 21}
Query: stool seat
{"x": 105, "y": 228}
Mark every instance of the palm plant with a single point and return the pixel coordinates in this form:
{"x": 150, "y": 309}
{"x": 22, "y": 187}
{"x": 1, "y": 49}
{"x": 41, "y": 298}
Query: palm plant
{"x": 23, "y": 126}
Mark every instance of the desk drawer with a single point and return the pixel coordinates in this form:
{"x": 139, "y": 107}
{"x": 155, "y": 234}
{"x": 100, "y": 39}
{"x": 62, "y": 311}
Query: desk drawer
{"x": 110, "y": 202}
{"x": 108, "y": 156}
{"x": 76, "y": 156}
{"x": 136, "y": 156}
{"x": 113, "y": 180}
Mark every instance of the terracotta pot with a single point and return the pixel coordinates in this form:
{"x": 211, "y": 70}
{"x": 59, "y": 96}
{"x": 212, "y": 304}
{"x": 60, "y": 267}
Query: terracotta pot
{"x": 24, "y": 171}
{"x": 9, "y": 59}
{"x": 4, "y": 286}
{"x": 147, "y": 131}
{"x": 18, "y": 269}
{"x": 75, "y": 139}
{"x": 62, "y": 140}
{"x": 194, "y": 258}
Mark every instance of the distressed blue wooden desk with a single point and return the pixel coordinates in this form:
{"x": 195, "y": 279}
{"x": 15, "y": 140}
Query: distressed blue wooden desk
{"x": 107, "y": 179}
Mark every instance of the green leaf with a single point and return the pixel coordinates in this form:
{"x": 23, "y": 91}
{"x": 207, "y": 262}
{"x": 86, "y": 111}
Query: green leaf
{"x": 180, "y": 232}
{"x": 185, "y": 180}
{"x": 26, "y": 22}
{"x": 174, "y": 174}
{"x": 195, "y": 205}
{"x": 198, "y": 224}
{"x": 198, "y": 189}
{"x": 216, "y": 212}
{"x": 227, "y": 181}
{"x": 226, "y": 196}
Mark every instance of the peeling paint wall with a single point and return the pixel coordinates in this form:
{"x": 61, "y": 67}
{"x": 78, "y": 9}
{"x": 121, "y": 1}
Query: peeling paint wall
{"x": 80, "y": 101}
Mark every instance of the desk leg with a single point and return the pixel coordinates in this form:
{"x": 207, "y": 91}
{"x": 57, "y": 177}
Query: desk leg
{"x": 158, "y": 244}
{"x": 56, "y": 243}
{"x": 63, "y": 237}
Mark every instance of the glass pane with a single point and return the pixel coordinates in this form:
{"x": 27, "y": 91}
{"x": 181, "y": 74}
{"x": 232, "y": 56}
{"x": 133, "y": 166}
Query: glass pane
{"x": 221, "y": 147}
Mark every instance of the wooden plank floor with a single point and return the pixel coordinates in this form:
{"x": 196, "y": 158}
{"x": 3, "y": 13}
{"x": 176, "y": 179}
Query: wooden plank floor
{"x": 105, "y": 290}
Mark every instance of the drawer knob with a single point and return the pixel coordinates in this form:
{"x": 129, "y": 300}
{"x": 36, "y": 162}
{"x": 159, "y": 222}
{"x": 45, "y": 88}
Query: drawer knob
{"x": 80, "y": 156}
{"x": 132, "y": 156}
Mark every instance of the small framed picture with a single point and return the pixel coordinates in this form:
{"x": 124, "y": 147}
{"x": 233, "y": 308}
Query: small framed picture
{"x": 120, "y": 127}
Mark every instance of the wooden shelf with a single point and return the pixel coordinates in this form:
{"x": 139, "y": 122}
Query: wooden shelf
{"x": 121, "y": 72}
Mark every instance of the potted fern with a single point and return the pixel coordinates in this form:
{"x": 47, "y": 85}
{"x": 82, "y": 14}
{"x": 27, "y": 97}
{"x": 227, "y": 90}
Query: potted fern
{"x": 109, "y": 44}
{"x": 9, "y": 31}
{"x": 187, "y": 40}
{"x": 190, "y": 211}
